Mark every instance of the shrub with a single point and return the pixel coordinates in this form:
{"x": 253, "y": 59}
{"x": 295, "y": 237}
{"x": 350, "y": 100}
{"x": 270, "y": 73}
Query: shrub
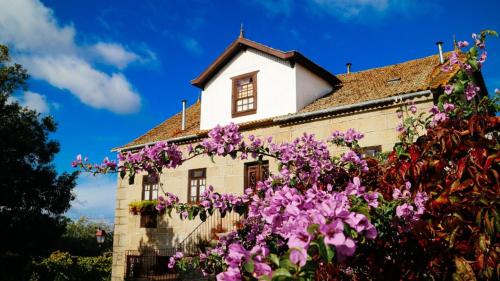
{"x": 60, "y": 266}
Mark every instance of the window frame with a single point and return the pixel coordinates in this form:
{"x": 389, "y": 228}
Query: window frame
{"x": 234, "y": 96}
{"x": 260, "y": 165}
{"x": 147, "y": 181}
{"x": 198, "y": 178}
{"x": 376, "y": 148}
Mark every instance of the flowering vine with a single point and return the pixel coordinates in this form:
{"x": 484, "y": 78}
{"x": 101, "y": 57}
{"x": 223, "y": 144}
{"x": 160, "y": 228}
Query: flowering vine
{"x": 318, "y": 210}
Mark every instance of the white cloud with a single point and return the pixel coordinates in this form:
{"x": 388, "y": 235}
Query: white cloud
{"x": 50, "y": 52}
{"x": 115, "y": 54}
{"x": 346, "y": 10}
{"x": 91, "y": 86}
{"x": 95, "y": 197}
{"x": 32, "y": 27}
{"x": 192, "y": 45}
{"x": 351, "y": 8}
{"x": 34, "y": 101}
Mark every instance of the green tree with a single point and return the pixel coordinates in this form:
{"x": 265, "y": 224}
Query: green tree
{"x": 33, "y": 197}
{"x": 79, "y": 238}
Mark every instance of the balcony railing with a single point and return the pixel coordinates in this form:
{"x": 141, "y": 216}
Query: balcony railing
{"x": 151, "y": 264}
{"x": 207, "y": 232}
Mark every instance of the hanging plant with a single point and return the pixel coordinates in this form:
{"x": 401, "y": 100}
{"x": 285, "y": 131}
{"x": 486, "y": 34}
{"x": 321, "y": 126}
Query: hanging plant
{"x": 144, "y": 207}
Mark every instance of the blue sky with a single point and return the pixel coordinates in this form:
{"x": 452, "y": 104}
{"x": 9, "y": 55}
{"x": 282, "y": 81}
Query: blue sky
{"x": 108, "y": 71}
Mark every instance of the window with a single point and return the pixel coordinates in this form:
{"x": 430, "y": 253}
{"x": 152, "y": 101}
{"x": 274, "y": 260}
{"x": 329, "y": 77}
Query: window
{"x": 371, "y": 151}
{"x": 196, "y": 184}
{"x": 150, "y": 188}
{"x": 244, "y": 94}
{"x": 255, "y": 172}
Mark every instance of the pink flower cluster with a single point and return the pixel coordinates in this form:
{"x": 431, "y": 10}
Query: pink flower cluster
{"x": 290, "y": 213}
{"x": 173, "y": 259}
{"x": 438, "y": 115}
{"x": 221, "y": 202}
{"x": 305, "y": 160}
{"x": 97, "y": 168}
{"x": 471, "y": 91}
{"x": 223, "y": 140}
{"x": 238, "y": 256}
{"x": 347, "y": 137}
{"x": 410, "y": 212}
{"x": 167, "y": 201}
{"x": 354, "y": 158}
{"x": 153, "y": 158}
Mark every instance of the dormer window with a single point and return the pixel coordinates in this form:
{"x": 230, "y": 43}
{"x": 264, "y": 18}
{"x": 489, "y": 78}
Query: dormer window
{"x": 244, "y": 94}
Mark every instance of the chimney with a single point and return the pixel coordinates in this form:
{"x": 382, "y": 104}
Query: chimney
{"x": 242, "y": 31}
{"x": 183, "y": 125}
{"x": 348, "y": 65}
{"x": 440, "y": 49}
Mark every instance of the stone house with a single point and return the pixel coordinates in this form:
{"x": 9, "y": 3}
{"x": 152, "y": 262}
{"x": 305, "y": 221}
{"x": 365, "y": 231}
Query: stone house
{"x": 267, "y": 92}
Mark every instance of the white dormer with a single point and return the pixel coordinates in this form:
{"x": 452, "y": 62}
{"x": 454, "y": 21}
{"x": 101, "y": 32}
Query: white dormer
{"x": 250, "y": 81}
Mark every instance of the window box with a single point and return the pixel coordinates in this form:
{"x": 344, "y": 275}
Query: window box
{"x": 144, "y": 207}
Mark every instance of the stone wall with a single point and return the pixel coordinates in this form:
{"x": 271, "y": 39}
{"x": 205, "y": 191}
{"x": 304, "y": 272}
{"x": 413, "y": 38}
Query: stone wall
{"x": 227, "y": 176}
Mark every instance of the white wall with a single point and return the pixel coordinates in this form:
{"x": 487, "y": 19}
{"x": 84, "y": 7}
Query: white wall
{"x": 275, "y": 89}
{"x": 281, "y": 89}
{"x": 310, "y": 87}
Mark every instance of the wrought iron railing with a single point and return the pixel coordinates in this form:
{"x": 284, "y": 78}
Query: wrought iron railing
{"x": 152, "y": 264}
{"x": 149, "y": 265}
{"x": 206, "y": 233}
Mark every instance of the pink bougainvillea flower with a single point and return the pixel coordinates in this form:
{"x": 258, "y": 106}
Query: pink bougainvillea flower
{"x": 298, "y": 256}
{"x": 232, "y": 274}
{"x": 471, "y": 91}
{"x": 462, "y": 44}
{"x": 413, "y": 108}
{"x": 448, "y": 107}
{"x": 448, "y": 89}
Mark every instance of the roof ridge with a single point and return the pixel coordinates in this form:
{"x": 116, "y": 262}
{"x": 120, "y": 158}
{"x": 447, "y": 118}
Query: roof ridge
{"x": 264, "y": 45}
{"x": 389, "y": 65}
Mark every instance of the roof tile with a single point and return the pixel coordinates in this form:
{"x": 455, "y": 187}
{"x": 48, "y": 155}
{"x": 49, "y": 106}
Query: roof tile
{"x": 411, "y": 76}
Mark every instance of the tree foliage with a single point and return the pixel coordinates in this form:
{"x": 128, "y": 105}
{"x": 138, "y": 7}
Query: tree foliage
{"x": 33, "y": 196}
{"x": 79, "y": 238}
{"x": 61, "y": 266}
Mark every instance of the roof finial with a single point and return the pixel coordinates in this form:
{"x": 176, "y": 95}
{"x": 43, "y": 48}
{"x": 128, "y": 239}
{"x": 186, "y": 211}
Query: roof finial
{"x": 242, "y": 31}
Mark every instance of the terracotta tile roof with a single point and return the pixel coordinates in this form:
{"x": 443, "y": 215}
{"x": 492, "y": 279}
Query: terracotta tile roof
{"x": 407, "y": 77}
{"x": 171, "y": 128}
{"x": 410, "y": 76}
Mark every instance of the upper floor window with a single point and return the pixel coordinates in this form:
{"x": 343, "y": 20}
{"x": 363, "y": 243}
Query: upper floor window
{"x": 197, "y": 183}
{"x": 149, "y": 188}
{"x": 244, "y": 94}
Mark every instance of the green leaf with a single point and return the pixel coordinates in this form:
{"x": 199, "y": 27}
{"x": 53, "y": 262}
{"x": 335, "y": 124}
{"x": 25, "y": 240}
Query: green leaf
{"x": 281, "y": 272}
{"x": 274, "y": 259}
{"x": 329, "y": 253}
{"x": 249, "y": 266}
{"x": 489, "y": 32}
{"x": 203, "y": 215}
{"x": 286, "y": 264}
{"x": 312, "y": 228}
